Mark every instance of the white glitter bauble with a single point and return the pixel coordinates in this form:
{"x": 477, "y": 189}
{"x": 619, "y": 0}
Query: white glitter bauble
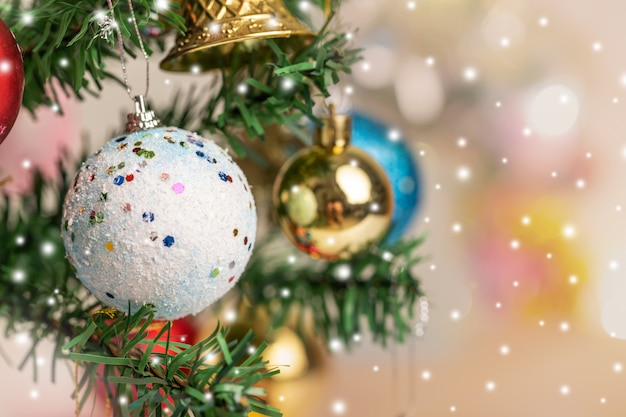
{"x": 160, "y": 216}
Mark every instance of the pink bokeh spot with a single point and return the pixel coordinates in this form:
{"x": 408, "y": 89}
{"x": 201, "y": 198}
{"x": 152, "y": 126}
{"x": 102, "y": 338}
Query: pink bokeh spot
{"x": 178, "y": 188}
{"x": 41, "y": 141}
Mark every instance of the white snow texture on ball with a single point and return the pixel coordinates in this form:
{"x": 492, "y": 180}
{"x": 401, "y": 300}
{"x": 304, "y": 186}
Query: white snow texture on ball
{"x": 163, "y": 217}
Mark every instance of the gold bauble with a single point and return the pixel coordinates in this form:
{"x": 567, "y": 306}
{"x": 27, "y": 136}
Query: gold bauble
{"x": 218, "y": 30}
{"x": 287, "y": 352}
{"x": 333, "y": 200}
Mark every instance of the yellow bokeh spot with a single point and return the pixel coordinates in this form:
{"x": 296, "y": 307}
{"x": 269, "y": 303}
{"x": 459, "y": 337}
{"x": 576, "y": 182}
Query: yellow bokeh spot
{"x": 527, "y": 240}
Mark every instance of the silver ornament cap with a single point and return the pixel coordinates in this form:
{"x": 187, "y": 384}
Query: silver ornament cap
{"x": 142, "y": 118}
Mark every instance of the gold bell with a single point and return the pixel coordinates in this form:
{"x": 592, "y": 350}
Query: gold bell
{"x": 216, "y": 27}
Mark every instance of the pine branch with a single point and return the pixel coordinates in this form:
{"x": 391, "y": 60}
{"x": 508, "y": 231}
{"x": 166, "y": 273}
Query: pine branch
{"x": 376, "y": 290}
{"x": 61, "y": 41}
{"x": 138, "y": 378}
{"x": 283, "y": 91}
{"x": 39, "y": 292}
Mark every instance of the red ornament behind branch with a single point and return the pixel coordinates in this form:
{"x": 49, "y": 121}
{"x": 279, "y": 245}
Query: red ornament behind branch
{"x": 181, "y": 330}
{"x": 11, "y": 80}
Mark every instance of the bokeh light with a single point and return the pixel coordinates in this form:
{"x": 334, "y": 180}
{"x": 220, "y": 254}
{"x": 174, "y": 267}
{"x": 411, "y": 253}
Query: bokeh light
{"x": 553, "y": 110}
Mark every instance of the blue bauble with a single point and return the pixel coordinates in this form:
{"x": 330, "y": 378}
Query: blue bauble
{"x": 393, "y": 154}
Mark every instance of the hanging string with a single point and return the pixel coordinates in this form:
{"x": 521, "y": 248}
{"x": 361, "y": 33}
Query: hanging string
{"x": 120, "y": 47}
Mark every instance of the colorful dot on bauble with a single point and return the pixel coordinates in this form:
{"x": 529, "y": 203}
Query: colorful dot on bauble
{"x": 178, "y": 188}
{"x": 168, "y": 241}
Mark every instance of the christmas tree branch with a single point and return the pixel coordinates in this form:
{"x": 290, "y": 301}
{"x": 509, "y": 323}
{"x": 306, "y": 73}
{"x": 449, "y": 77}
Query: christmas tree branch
{"x": 66, "y": 45}
{"x": 279, "y": 92}
{"x": 181, "y": 375}
{"x": 377, "y": 290}
{"x": 39, "y": 294}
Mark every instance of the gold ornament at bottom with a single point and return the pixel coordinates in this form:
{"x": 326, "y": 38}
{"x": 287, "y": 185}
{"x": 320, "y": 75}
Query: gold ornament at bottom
{"x": 333, "y": 200}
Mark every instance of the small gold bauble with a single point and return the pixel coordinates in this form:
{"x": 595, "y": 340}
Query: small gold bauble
{"x": 333, "y": 200}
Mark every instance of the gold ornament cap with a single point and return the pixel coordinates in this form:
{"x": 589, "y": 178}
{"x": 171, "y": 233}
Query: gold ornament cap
{"x": 335, "y": 132}
{"x": 226, "y": 24}
{"x": 142, "y": 118}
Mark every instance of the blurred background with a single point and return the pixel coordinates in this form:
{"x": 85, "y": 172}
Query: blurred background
{"x": 514, "y": 113}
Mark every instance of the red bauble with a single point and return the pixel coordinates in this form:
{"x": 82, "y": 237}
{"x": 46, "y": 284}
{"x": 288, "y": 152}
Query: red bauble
{"x": 11, "y": 80}
{"x": 181, "y": 330}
